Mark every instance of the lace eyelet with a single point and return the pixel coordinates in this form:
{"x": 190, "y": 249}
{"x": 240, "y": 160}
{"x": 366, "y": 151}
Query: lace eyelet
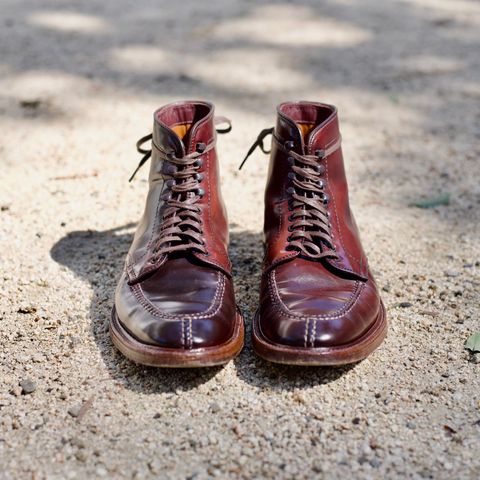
{"x": 320, "y": 153}
{"x": 291, "y": 175}
{"x": 167, "y": 195}
{"x": 326, "y": 199}
{"x": 290, "y": 161}
{"x": 200, "y": 192}
{"x": 199, "y": 177}
{"x": 289, "y": 145}
{"x": 198, "y": 162}
{"x": 290, "y": 190}
{"x": 321, "y": 184}
{"x": 200, "y": 147}
{"x": 169, "y": 169}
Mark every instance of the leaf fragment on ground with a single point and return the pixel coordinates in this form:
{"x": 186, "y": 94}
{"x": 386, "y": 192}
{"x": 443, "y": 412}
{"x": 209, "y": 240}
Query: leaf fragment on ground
{"x": 432, "y": 202}
{"x": 473, "y": 343}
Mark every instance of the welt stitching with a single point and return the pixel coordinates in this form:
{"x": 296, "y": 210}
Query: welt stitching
{"x": 314, "y": 332}
{"x": 281, "y": 306}
{"x": 190, "y": 342}
{"x": 305, "y": 336}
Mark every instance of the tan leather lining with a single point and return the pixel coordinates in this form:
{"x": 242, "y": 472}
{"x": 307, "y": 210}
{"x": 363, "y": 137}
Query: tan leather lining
{"x": 182, "y": 129}
{"x": 305, "y": 129}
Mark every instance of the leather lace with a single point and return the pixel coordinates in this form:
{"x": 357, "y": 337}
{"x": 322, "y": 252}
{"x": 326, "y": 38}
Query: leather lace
{"x": 309, "y": 220}
{"x": 181, "y": 227}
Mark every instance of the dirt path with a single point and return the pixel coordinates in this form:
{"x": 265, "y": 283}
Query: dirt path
{"x": 79, "y": 82}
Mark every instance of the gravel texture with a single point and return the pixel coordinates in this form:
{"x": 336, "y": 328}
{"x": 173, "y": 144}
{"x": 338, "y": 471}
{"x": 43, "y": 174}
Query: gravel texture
{"x": 79, "y": 82}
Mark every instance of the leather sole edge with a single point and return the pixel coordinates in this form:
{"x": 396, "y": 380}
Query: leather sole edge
{"x": 346, "y": 354}
{"x": 153, "y": 356}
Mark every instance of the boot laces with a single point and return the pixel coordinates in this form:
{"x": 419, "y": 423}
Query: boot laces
{"x": 310, "y": 229}
{"x": 181, "y": 227}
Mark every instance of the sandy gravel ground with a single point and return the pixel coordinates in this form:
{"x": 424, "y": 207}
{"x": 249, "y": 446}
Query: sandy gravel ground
{"x": 78, "y": 84}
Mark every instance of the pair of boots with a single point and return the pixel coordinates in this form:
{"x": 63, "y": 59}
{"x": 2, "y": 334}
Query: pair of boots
{"x": 175, "y": 303}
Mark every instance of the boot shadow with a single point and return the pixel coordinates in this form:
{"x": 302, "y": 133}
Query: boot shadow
{"x": 98, "y": 256}
{"x": 246, "y": 253}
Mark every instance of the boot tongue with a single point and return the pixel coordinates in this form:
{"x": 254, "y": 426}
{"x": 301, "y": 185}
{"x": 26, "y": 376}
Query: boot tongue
{"x": 306, "y": 129}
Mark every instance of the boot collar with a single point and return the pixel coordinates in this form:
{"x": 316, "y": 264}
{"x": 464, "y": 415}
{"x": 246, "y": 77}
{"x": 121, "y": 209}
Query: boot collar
{"x": 199, "y": 114}
{"x": 325, "y": 134}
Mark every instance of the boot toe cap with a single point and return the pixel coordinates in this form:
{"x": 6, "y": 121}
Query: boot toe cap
{"x": 327, "y": 319}
{"x": 182, "y": 321}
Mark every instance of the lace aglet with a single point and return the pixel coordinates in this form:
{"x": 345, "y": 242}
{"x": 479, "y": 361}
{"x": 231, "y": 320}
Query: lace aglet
{"x": 252, "y": 148}
{"x": 243, "y": 162}
{"x": 258, "y": 143}
{"x": 133, "y": 174}
{"x": 142, "y": 161}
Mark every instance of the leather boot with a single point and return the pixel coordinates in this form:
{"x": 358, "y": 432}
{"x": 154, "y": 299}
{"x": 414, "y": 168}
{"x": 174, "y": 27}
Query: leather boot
{"x": 174, "y": 304}
{"x": 319, "y": 304}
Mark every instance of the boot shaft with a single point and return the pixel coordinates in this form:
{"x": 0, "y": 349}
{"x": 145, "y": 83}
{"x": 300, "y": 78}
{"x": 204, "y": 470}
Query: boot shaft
{"x": 182, "y": 130}
{"x": 310, "y": 129}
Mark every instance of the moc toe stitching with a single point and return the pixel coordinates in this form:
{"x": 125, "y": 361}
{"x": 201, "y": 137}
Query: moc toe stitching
{"x": 279, "y": 305}
{"x": 212, "y": 310}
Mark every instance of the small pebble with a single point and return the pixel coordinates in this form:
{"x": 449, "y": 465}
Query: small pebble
{"x": 77, "y": 442}
{"x": 405, "y": 304}
{"x": 81, "y": 456}
{"x": 451, "y": 273}
{"x": 28, "y": 386}
{"x": 75, "y": 410}
{"x": 17, "y": 390}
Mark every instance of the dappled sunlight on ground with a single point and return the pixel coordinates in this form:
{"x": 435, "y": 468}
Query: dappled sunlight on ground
{"x": 79, "y": 82}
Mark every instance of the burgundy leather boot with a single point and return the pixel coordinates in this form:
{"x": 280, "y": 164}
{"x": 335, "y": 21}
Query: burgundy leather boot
{"x": 174, "y": 304}
{"x": 319, "y": 304}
